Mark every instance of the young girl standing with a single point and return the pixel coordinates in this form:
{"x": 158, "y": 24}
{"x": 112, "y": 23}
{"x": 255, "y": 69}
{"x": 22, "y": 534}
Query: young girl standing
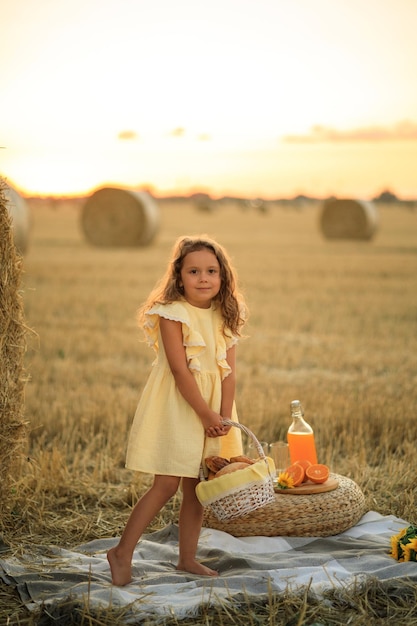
{"x": 192, "y": 319}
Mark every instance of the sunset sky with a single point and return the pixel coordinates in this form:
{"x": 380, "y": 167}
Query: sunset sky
{"x": 268, "y": 99}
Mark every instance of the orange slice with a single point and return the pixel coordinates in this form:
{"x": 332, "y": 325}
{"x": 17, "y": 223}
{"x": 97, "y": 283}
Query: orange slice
{"x": 304, "y": 463}
{"x": 296, "y": 472}
{"x": 318, "y": 473}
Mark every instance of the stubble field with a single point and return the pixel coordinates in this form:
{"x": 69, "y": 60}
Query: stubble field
{"x": 332, "y": 323}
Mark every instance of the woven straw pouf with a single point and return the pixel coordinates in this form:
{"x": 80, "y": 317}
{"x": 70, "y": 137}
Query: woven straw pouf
{"x": 316, "y": 515}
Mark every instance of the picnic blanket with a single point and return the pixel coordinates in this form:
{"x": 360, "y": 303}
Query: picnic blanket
{"x": 253, "y": 566}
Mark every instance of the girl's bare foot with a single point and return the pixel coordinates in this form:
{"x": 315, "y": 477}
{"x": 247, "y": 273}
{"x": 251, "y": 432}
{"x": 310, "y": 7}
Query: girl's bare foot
{"x": 121, "y": 570}
{"x": 194, "y": 567}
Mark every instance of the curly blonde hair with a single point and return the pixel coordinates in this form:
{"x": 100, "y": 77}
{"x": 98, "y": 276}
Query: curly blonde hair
{"x": 169, "y": 289}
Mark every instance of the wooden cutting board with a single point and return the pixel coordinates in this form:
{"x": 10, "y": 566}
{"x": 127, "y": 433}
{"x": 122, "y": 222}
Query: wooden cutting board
{"x": 308, "y": 488}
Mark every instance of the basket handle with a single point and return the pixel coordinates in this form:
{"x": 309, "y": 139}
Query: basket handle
{"x": 249, "y": 433}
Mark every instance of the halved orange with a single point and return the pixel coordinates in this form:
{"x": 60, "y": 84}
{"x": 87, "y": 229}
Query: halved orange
{"x": 317, "y": 473}
{"x": 304, "y": 463}
{"x": 296, "y": 472}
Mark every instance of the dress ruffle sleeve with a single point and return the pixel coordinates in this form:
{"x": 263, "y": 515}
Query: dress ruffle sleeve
{"x": 222, "y": 347}
{"x": 192, "y": 339}
{"x": 226, "y": 341}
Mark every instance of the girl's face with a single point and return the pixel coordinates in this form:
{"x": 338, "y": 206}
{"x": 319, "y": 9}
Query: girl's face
{"x": 200, "y": 277}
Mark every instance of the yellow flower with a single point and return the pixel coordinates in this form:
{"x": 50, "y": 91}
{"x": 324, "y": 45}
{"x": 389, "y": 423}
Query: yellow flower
{"x": 394, "y": 547}
{"x": 410, "y": 550}
{"x": 285, "y": 481}
{"x": 404, "y": 544}
{"x": 412, "y": 543}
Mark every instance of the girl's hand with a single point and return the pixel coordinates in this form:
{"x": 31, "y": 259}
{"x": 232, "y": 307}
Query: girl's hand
{"x": 226, "y": 428}
{"x": 213, "y": 426}
{"x": 217, "y": 431}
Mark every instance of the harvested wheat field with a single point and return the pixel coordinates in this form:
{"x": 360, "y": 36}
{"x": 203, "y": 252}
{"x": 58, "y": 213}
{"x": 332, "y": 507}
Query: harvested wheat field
{"x": 332, "y": 323}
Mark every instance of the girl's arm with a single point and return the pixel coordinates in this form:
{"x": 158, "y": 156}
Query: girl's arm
{"x": 171, "y": 333}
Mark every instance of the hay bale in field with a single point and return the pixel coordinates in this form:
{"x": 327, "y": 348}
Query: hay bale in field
{"x": 348, "y": 219}
{"x": 203, "y": 202}
{"x": 12, "y": 349}
{"x": 119, "y": 217}
{"x": 19, "y": 212}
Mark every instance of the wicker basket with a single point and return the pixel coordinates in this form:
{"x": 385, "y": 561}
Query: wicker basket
{"x": 316, "y": 515}
{"x": 255, "y": 488}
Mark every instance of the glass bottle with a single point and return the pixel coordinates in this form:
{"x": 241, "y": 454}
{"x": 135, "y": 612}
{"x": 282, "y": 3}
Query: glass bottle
{"x": 300, "y": 436}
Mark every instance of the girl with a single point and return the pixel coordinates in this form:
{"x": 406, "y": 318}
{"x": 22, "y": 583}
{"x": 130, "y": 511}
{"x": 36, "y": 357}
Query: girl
{"x": 192, "y": 319}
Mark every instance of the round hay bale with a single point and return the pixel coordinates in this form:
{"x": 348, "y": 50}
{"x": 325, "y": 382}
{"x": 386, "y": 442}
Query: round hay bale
{"x": 12, "y": 350}
{"x": 19, "y": 212}
{"x": 348, "y": 219}
{"x": 203, "y": 202}
{"x": 119, "y": 217}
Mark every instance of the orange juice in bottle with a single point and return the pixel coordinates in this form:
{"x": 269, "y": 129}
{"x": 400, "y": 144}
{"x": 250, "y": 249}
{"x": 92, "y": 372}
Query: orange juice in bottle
{"x": 300, "y": 436}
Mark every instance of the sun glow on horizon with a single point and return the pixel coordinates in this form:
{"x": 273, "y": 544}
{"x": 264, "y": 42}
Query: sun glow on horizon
{"x": 264, "y": 100}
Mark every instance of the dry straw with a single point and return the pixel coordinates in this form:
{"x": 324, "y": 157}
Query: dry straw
{"x": 12, "y": 349}
{"x": 19, "y": 212}
{"x": 119, "y": 217}
{"x": 348, "y": 219}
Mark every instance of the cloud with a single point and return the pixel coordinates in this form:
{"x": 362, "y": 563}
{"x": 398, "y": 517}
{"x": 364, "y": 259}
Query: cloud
{"x": 177, "y": 132}
{"x": 127, "y": 135}
{"x": 403, "y": 131}
{"x": 181, "y": 132}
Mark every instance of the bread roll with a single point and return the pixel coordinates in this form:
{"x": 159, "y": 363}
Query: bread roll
{"x": 216, "y": 463}
{"x": 241, "y": 459}
{"x": 232, "y": 467}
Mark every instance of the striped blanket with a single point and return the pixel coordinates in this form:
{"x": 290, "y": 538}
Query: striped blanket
{"x": 253, "y": 566}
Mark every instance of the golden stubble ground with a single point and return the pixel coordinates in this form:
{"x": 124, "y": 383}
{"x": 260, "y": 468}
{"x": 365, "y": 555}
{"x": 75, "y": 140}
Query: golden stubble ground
{"x": 333, "y": 323}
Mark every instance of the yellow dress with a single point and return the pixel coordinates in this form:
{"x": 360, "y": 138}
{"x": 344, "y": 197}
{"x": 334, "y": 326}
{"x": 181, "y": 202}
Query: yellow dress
{"x": 167, "y": 436}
